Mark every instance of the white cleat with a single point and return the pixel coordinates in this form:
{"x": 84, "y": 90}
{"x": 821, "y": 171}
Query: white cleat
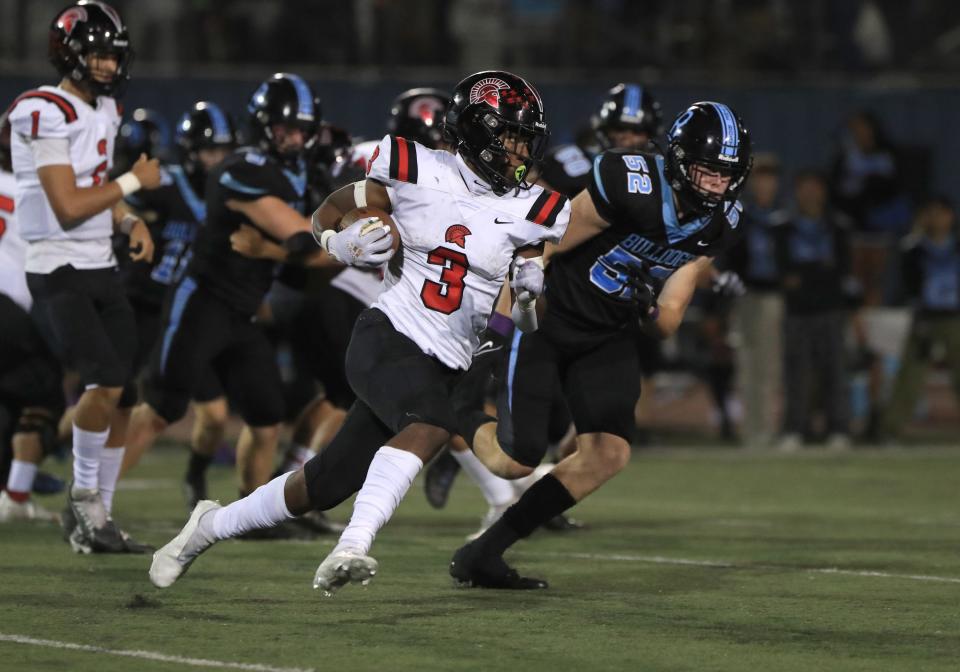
{"x": 493, "y": 514}
{"x": 174, "y": 559}
{"x": 28, "y": 511}
{"x": 343, "y": 567}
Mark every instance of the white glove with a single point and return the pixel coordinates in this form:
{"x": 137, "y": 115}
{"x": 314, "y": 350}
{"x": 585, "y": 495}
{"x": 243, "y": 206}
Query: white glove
{"x": 527, "y": 280}
{"x": 366, "y": 243}
{"x": 728, "y": 283}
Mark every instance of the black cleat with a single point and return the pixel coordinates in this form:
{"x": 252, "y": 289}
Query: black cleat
{"x": 562, "y": 523}
{"x": 318, "y": 523}
{"x": 472, "y": 569}
{"x": 135, "y": 547}
{"x": 439, "y": 479}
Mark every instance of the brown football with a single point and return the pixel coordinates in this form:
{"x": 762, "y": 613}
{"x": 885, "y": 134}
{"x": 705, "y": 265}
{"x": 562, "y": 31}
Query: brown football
{"x": 372, "y": 213}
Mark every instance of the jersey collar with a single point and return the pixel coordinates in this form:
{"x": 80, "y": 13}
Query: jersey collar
{"x": 471, "y": 180}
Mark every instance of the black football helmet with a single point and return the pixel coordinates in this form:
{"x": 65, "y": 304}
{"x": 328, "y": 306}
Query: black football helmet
{"x": 418, "y": 114}
{"x": 283, "y": 99}
{"x": 85, "y": 28}
{"x": 204, "y": 126}
{"x": 627, "y": 106}
{"x": 145, "y": 132}
{"x": 490, "y": 107}
{"x": 711, "y": 135}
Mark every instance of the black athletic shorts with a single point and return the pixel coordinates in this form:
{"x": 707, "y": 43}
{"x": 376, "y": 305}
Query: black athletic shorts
{"x": 30, "y": 375}
{"x": 86, "y": 319}
{"x": 204, "y": 340}
{"x": 393, "y": 376}
{"x": 599, "y": 381}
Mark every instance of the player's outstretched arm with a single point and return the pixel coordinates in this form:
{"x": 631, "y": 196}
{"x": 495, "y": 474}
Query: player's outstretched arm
{"x": 357, "y": 195}
{"x": 676, "y": 295}
{"x": 585, "y": 223}
{"x": 72, "y": 205}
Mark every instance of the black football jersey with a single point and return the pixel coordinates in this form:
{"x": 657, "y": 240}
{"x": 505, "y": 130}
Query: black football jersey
{"x": 175, "y": 211}
{"x": 246, "y": 175}
{"x": 587, "y": 289}
{"x": 567, "y": 169}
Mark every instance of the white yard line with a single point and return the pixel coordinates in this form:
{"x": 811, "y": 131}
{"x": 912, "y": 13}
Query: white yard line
{"x": 719, "y": 564}
{"x": 147, "y": 655}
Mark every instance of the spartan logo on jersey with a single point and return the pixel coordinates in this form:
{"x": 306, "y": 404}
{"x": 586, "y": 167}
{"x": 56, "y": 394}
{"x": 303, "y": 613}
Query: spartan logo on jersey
{"x": 373, "y": 158}
{"x": 488, "y": 90}
{"x": 457, "y": 234}
{"x": 70, "y": 18}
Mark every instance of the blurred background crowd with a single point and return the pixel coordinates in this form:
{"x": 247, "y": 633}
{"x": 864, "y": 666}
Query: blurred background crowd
{"x": 849, "y": 326}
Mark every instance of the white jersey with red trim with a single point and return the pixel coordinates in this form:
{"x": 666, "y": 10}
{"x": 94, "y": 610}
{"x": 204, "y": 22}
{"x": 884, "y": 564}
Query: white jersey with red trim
{"x": 459, "y": 239}
{"x": 51, "y": 112}
{"x": 13, "y": 250}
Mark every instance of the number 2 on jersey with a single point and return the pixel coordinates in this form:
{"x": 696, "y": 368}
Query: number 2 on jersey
{"x": 445, "y": 296}
{"x": 103, "y": 165}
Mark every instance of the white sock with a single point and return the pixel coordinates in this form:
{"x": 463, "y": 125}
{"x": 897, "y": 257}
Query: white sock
{"x": 87, "y": 447}
{"x": 110, "y": 461}
{"x": 264, "y": 507}
{"x": 497, "y": 491}
{"x": 521, "y": 485}
{"x": 20, "y": 478}
{"x": 296, "y": 457}
{"x": 389, "y": 477}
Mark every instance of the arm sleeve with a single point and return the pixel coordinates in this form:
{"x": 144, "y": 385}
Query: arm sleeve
{"x": 378, "y": 168}
{"x": 50, "y": 152}
{"x": 624, "y": 193}
{"x": 36, "y": 118}
{"x": 251, "y": 179}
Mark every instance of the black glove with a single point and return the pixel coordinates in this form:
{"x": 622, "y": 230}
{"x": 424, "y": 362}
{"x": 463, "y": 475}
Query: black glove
{"x": 644, "y": 286}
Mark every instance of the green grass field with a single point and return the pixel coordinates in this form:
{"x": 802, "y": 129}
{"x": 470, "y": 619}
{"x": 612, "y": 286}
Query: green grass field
{"x": 693, "y": 560}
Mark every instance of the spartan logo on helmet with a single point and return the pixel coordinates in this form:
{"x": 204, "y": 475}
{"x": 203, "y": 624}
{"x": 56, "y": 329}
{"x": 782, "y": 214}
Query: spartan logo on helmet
{"x": 488, "y": 91}
{"x": 457, "y": 234}
{"x": 70, "y": 17}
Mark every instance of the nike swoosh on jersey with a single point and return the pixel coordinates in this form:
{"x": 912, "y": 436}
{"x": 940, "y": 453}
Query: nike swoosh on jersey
{"x": 702, "y": 244}
{"x": 496, "y": 220}
{"x": 487, "y": 347}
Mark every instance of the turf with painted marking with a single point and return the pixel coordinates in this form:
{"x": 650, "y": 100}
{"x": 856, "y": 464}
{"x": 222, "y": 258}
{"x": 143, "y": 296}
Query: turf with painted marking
{"x": 618, "y": 600}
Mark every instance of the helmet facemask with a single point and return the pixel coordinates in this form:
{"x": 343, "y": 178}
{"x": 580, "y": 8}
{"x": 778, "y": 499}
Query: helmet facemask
{"x": 510, "y": 151}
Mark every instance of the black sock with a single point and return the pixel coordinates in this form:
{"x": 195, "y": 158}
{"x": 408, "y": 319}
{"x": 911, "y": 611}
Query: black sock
{"x": 197, "y": 467}
{"x": 545, "y": 499}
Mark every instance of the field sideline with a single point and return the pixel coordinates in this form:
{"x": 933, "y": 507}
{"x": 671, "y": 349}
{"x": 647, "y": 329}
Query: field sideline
{"x": 693, "y": 560}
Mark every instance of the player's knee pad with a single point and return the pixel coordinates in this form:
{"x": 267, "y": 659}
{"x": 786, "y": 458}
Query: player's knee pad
{"x": 41, "y": 422}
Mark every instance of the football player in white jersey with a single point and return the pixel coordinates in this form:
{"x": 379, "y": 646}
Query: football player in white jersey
{"x": 62, "y": 141}
{"x": 31, "y": 397}
{"x": 465, "y": 220}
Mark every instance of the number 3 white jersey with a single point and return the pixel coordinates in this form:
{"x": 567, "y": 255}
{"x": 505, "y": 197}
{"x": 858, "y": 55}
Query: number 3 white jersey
{"x": 459, "y": 239}
{"x": 51, "y": 112}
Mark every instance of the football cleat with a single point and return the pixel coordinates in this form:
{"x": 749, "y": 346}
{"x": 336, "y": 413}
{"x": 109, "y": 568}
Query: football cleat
{"x": 439, "y": 479}
{"x": 173, "y": 560}
{"x": 470, "y": 568}
{"x": 343, "y": 567}
{"x": 563, "y": 523}
{"x": 317, "y": 522}
{"x": 13, "y": 511}
{"x": 93, "y": 527}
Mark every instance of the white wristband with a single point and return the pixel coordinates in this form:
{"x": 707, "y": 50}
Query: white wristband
{"x": 128, "y": 183}
{"x": 127, "y": 223}
{"x": 325, "y": 239}
{"x": 360, "y": 193}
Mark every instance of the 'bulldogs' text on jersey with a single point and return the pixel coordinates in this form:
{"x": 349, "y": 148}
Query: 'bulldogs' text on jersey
{"x": 459, "y": 239}
{"x": 588, "y": 287}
